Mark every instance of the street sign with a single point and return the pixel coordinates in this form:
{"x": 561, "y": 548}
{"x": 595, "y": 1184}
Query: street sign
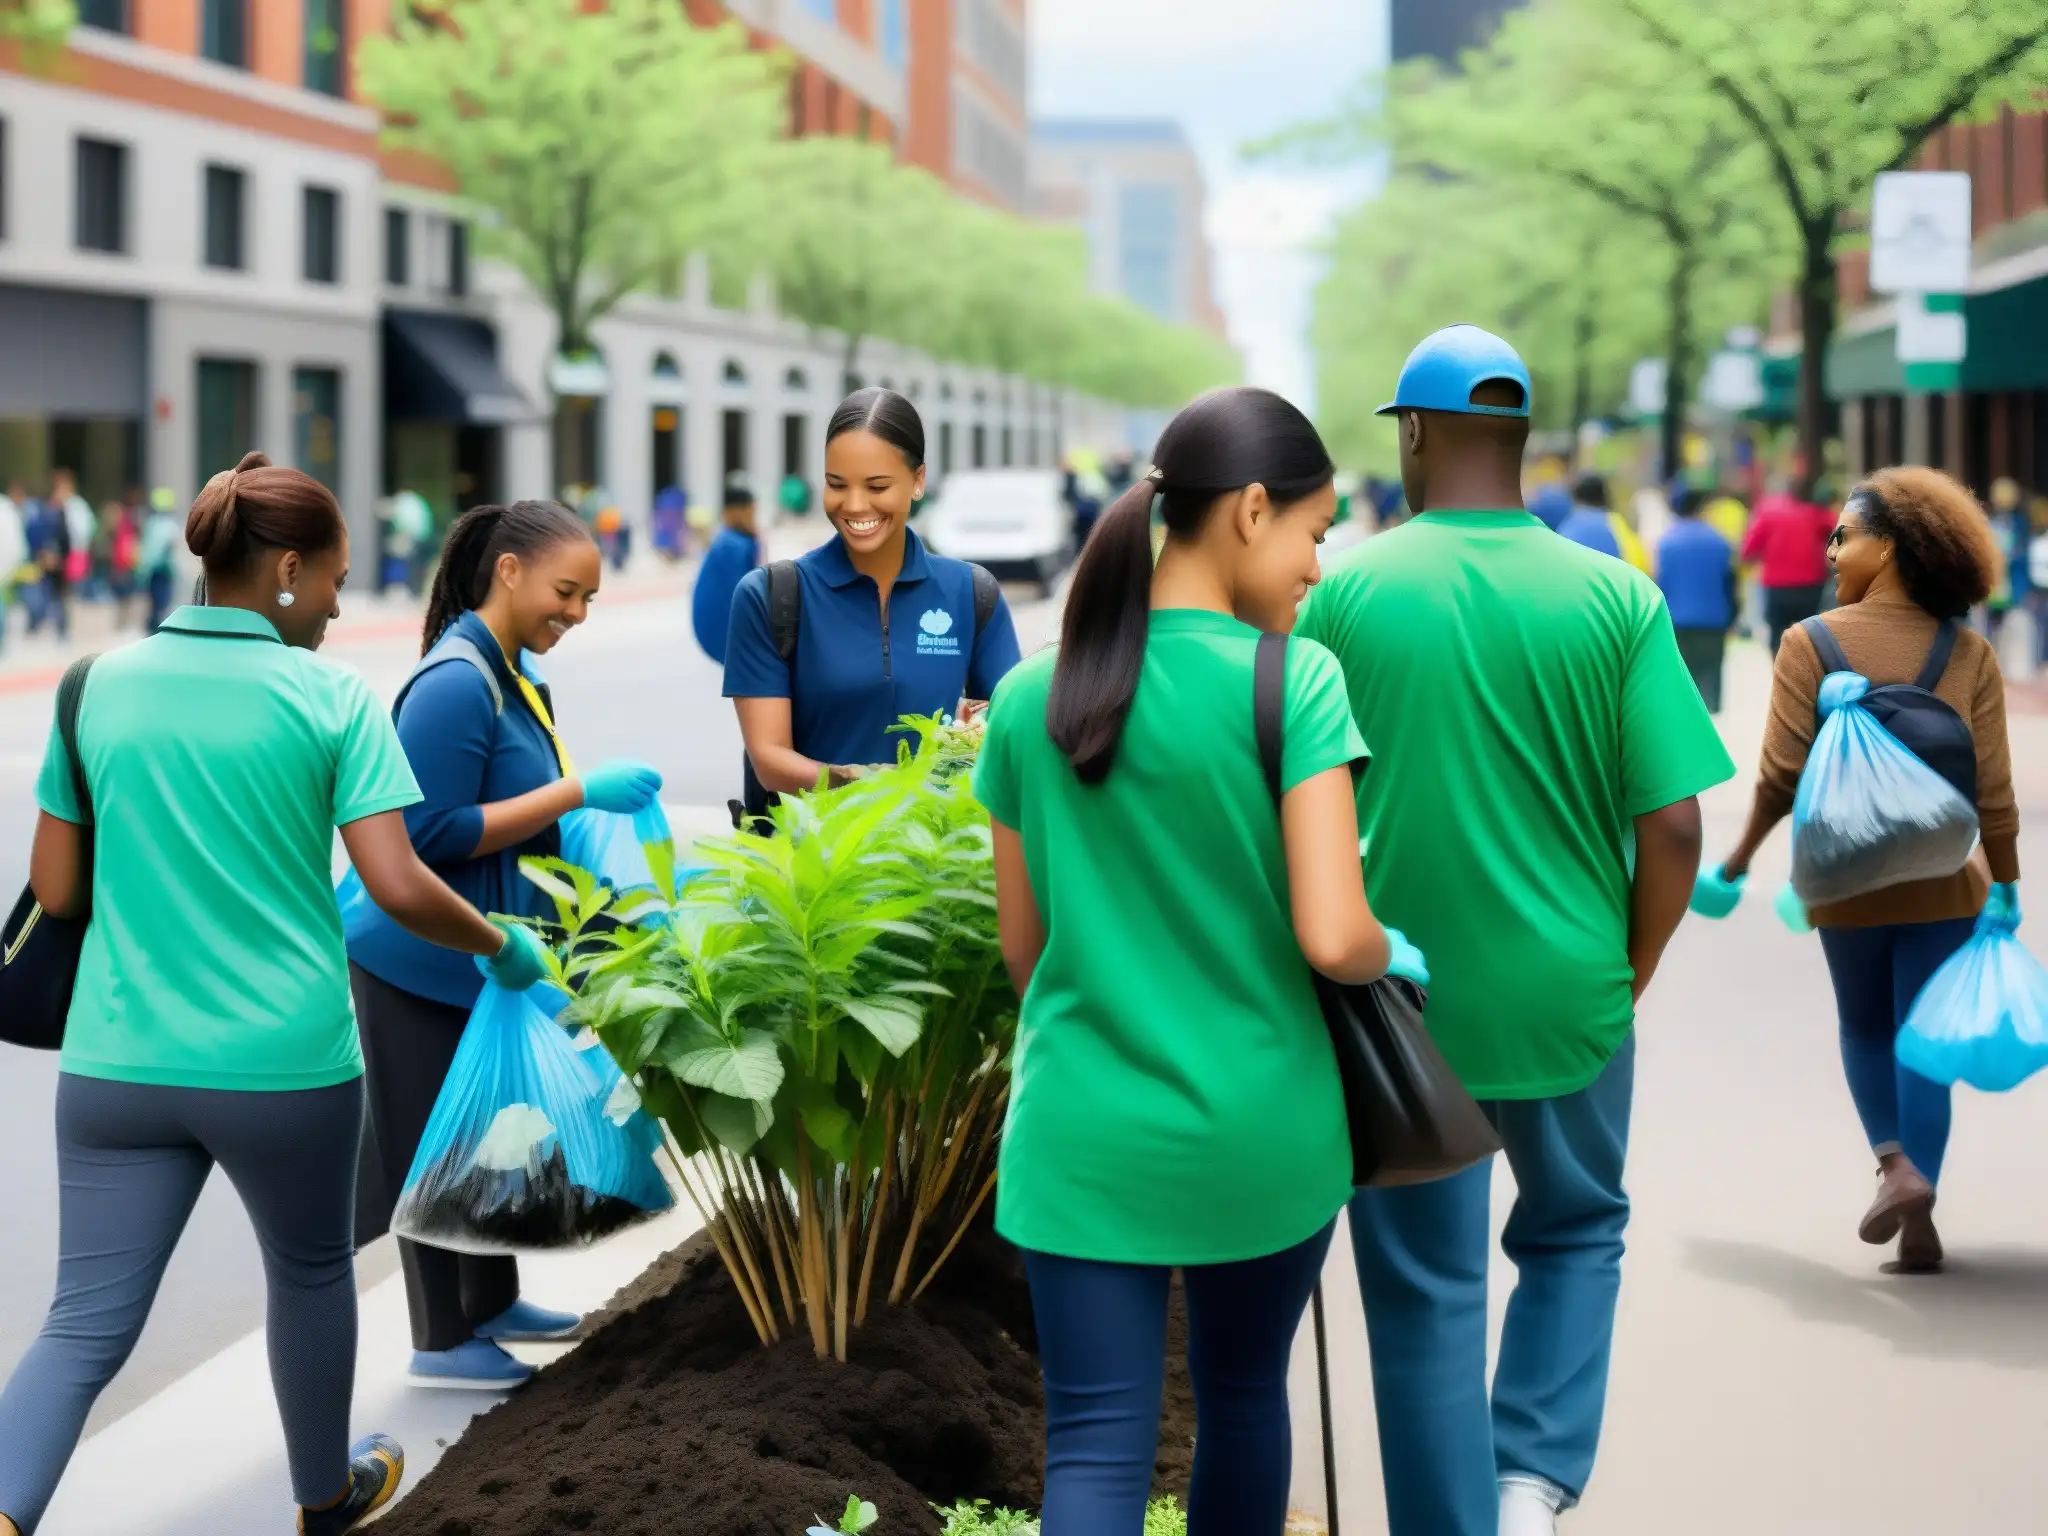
{"x": 1646, "y": 388}
{"x": 1920, "y": 232}
{"x": 1933, "y": 340}
{"x": 1734, "y": 382}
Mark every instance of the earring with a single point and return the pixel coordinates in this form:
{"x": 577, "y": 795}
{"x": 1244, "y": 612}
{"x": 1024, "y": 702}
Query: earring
{"x": 285, "y": 599}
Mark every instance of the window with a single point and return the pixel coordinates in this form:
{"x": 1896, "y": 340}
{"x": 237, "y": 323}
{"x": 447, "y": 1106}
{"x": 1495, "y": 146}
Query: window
{"x": 227, "y": 414}
{"x": 397, "y": 247}
{"x": 224, "y": 32}
{"x": 1148, "y": 237}
{"x": 316, "y": 424}
{"x": 324, "y": 46}
{"x": 102, "y": 196}
{"x": 107, "y": 15}
{"x": 226, "y": 188}
{"x": 894, "y": 33}
{"x": 458, "y": 259}
{"x": 323, "y": 235}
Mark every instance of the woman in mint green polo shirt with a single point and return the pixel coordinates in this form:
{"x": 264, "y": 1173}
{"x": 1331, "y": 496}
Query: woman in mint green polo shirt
{"x": 211, "y": 1023}
{"x": 1176, "y": 1100}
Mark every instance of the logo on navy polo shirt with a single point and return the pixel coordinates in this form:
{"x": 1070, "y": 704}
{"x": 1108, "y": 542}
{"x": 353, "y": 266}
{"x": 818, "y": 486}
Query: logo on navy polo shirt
{"x": 935, "y": 635}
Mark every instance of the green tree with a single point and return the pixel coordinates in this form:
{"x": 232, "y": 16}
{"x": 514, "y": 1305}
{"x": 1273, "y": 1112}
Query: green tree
{"x": 1559, "y": 97}
{"x": 1835, "y": 92}
{"x": 39, "y": 27}
{"x": 600, "y": 142}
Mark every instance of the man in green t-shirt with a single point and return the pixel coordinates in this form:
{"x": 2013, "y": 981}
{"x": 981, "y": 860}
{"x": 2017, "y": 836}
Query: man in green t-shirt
{"x": 1530, "y": 821}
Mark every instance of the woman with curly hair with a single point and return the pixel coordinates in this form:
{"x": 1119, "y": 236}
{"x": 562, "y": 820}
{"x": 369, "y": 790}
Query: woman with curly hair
{"x": 1912, "y": 555}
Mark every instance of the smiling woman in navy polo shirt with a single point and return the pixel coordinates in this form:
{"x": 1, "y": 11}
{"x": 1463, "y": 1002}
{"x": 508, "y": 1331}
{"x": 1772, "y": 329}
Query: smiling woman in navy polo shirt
{"x": 885, "y": 628}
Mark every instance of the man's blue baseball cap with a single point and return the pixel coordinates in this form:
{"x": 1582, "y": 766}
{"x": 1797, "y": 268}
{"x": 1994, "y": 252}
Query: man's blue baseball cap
{"x": 1445, "y": 368}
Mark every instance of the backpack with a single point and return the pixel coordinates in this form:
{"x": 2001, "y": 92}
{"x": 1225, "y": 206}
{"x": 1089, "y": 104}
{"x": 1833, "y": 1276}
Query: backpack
{"x": 785, "y": 621}
{"x": 1924, "y": 724}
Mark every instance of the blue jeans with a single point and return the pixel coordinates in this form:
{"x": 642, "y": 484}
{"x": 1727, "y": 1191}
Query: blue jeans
{"x": 1422, "y": 1259}
{"x": 1102, "y": 1345}
{"x": 1878, "y": 972}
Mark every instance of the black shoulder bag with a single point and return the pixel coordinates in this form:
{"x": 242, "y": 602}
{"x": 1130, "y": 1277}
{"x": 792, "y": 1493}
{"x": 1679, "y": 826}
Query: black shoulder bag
{"x": 39, "y": 952}
{"x": 785, "y": 620}
{"x": 1411, "y": 1119}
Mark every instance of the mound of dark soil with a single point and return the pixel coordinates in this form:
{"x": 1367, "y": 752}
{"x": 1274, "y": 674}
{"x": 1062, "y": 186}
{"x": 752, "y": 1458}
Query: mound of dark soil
{"x": 672, "y": 1418}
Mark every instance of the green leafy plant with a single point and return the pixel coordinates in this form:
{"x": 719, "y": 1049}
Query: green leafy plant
{"x": 860, "y": 1515}
{"x": 822, "y": 1023}
{"x": 975, "y": 1517}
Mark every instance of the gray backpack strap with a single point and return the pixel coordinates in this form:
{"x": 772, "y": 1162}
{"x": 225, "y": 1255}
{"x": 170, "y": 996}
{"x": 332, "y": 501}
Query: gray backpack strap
{"x": 785, "y": 609}
{"x": 1827, "y": 646}
{"x": 987, "y": 593}
{"x": 1938, "y": 657}
{"x": 1269, "y": 706}
{"x": 454, "y": 648}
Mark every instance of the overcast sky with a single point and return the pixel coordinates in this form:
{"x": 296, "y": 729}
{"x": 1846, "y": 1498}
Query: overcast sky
{"x": 1229, "y": 71}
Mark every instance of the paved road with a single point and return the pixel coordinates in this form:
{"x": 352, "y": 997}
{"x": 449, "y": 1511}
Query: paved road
{"x": 632, "y": 682}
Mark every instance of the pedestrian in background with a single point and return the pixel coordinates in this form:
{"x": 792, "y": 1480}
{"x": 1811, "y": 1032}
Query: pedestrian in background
{"x": 671, "y": 504}
{"x": 210, "y": 1022}
{"x": 49, "y": 542}
{"x": 2010, "y": 532}
{"x": 734, "y": 552}
{"x": 477, "y": 725}
{"x": 1788, "y": 541}
{"x": 13, "y": 550}
{"x": 157, "y": 555}
{"x": 81, "y": 529}
{"x": 1529, "y": 716}
{"x": 1177, "y": 1104}
{"x": 1696, "y": 572}
{"x": 1911, "y": 557}
{"x": 1588, "y": 523}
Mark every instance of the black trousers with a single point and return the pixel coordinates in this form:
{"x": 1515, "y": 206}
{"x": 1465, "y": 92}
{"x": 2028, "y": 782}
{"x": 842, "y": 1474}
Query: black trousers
{"x": 1703, "y": 651}
{"x": 1787, "y": 607}
{"x": 408, "y": 1044}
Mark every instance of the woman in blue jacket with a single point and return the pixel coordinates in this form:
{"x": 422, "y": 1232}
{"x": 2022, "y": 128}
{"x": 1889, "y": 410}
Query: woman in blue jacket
{"x": 883, "y": 628}
{"x": 477, "y": 724}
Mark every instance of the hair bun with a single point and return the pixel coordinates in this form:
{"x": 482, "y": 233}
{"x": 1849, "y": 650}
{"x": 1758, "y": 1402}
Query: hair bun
{"x": 253, "y": 460}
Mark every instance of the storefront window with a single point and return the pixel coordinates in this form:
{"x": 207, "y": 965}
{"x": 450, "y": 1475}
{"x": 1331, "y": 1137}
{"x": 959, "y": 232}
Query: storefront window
{"x": 316, "y": 424}
{"x": 226, "y": 414}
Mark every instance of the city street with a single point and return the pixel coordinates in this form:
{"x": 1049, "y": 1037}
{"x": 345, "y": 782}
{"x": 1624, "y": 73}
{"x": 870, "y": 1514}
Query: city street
{"x": 1765, "y": 1373}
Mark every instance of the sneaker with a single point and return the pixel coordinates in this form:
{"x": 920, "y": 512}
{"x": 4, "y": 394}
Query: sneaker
{"x": 375, "y": 1467}
{"x": 1529, "y": 1505}
{"x": 524, "y": 1323}
{"x": 476, "y": 1365}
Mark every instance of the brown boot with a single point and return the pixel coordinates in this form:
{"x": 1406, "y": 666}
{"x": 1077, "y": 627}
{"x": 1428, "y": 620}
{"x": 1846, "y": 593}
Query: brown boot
{"x": 1919, "y": 1246}
{"x": 1903, "y": 1196}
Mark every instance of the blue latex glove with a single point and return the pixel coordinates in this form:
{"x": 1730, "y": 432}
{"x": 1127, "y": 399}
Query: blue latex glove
{"x": 523, "y": 961}
{"x": 1715, "y": 896}
{"x": 1791, "y": 910}
{"x": 1406, "y": 961}
{"x": 623, "y": 786}
{"x": 2003, "y": 904}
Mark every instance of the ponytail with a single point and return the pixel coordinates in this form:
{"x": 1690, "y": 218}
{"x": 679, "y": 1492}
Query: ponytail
{"x": 476, "y": 542}
{"x": 1224, "y": 441}
{"x": 1102, "y": 636}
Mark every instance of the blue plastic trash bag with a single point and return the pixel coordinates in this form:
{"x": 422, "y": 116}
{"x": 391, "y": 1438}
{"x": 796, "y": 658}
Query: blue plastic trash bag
{"x": 1982, "y": 1019}
{"x": 620, "y": 850}
{"x": 533, "y": 1143}
{"x": 1714, "y": 895}
{"x": 1791, "y": 910}
{"x": 1869, "y": 813}
{"x": 350, "y": 896}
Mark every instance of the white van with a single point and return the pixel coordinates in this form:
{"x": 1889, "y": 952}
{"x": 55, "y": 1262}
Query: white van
{"x": 1012, "y": 521}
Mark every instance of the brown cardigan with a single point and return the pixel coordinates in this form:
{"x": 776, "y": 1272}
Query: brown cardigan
{"x": 1887, "y": 640}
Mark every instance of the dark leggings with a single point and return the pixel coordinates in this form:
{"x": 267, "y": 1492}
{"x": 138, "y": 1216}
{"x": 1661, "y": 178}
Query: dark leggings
{"x": 131, "y": 1160}
{"x": 1878, "y": 972}
{"x": 409, "y": 1043}
{"x": 1102, "y": 1344}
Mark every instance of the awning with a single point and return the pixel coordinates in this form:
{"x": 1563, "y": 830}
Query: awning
{"x": 2008, "y": 347}
{"x": 445, "y": 368}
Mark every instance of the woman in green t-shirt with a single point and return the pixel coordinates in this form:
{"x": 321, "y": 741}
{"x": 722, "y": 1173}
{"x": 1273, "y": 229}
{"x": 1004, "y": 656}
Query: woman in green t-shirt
{"x": 1176, "y": 1100}
{"x": 210, "y": 1021}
